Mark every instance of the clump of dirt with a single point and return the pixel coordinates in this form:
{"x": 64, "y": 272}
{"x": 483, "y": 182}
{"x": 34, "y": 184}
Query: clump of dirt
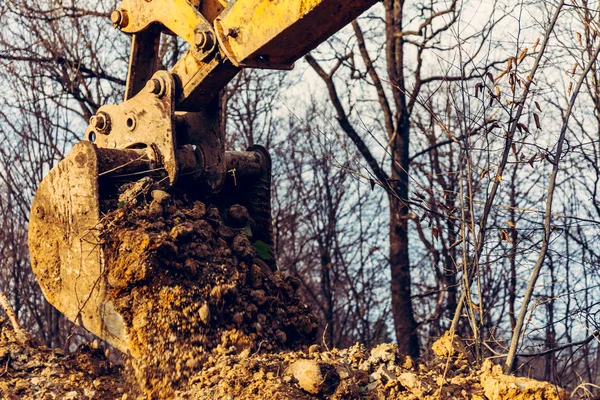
{"x": 191, "y": 284}
{"x": 496, "y": 385}
{"x": 29, "y": 371}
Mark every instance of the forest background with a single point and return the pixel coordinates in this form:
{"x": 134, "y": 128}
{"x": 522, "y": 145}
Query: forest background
{"x": 436, "y": 166}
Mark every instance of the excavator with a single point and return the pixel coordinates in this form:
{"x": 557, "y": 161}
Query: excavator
{"x": 170, "y": 122}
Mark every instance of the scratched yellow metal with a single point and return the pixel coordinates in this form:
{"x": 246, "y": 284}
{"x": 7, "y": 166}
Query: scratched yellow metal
{"x": 176, "y": 15}
{"x": 269, "y": 33}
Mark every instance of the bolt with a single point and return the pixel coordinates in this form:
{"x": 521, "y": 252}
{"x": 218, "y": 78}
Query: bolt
{"x": 154, "y": 86}
{"x": 203, "y": 39}
{"x": 119, "y": 18}
{"x": 101, "y": 122}
{"x": 200, "y": 39}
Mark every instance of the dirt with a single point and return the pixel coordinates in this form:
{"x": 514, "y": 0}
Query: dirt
{"x": 208, "y": 318}
{"x": 359, "y": 373}
{"x": 29, "y": 371}
{"x": 190, "y": 281}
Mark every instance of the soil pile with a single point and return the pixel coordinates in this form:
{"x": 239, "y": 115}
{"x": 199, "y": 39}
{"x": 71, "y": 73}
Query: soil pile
{"x": 359, "y": 373}
{"x": 30, "y": 371}
{"x": 190, "y": 281}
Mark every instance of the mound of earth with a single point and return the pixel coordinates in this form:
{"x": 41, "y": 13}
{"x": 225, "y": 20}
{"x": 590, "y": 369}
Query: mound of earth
{"x": 189, "y": 281}
{"x": 29, "y": 371}
{"x": 359, "y": 373}
{"x": 208, "y": 316}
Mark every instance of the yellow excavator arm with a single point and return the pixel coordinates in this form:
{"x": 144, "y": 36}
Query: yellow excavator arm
{"x": 223, "y": 38}
{"x": 168, "y": 122}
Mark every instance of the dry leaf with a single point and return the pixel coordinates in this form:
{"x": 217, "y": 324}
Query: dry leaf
{"x": 535, "y": 45}
{"x": 537, "y": 105}
{"x": 570, "y": 88}
{"x": 455, "y": 243}
{"x": 511, "y": 224}
{"x": 537, "y": 121}
{"x": 579, "y": 38}
{"x": 499, "y": 178}
{"x": 478, "y": 87}
{"x": 574, "y": 69}
{"x": 484, "y": 173}
{"x": 531, "y": 160}
{"x": 504, "y": 236}
{"x": 522, "y": 55}
{"x": 501, "y": 74}
{"x": 490, "y": 76}
{"x": 435, "y": 233}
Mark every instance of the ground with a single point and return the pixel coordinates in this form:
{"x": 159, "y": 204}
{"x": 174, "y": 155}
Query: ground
{"x": 208, "y": 316}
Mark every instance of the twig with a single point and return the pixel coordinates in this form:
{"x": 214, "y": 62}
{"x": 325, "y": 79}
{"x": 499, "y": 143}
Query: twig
{"x": 6, "y": 366}
{"x": 20, "y": 333}
{"x": 323, "y": 338}
{"x": 563, "y": 347}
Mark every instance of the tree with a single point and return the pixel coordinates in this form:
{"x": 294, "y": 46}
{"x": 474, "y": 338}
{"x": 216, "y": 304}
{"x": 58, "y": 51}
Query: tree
{"x": 397, "y": 102}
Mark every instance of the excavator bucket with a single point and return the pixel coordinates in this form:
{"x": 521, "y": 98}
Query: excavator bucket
{"x": 64, "y": 245}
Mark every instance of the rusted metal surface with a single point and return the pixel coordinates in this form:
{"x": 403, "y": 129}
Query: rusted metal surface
{"x": 203, "y": 130}
{"x": 119, "y": 163}
{"x": 143, "y": 60}
{"x": 64, "y": 248}
{"x": 144, "y": 121}
{"x": 176, "y": 15}
{"x": 249, "y": 184}
{"x": 260, "y": 34}
{"x": 199, "y": 82}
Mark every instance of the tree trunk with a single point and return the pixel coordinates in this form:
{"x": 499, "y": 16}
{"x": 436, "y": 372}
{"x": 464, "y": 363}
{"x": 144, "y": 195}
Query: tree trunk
{"x": 402, "y": 310}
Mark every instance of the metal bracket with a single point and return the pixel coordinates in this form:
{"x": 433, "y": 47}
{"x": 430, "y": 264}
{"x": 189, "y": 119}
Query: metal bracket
{"x": 178, "y": 16}
{"x": 144, "y": 121}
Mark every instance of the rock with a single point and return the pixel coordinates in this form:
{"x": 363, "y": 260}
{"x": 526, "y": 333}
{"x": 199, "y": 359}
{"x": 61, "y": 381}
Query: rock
{"x": 238, "y": 215}
{"x": 205, "y": 314}
{"x": 160, "y": 196}
{"x": 314, "y": 348}
{"x": 408, "y": 363}
{"x": 449, "y": 345}
{"x": 181, "y": 231}
{"x": 498, "y": 386}
{"x": 413, "y": 383}
{"x": 313, "y": 377}
{"x": 383, "y": 353}
{"x": 362, "y": 377}
{"x": 133, "y": 191}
